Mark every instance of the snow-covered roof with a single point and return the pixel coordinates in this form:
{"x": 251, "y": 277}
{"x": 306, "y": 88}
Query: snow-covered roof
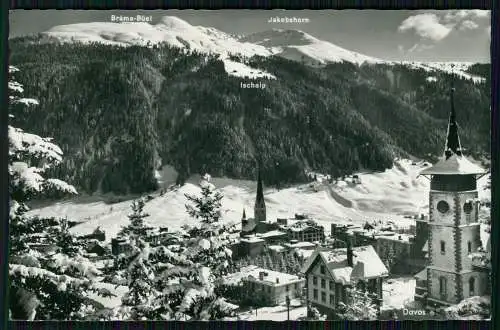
{"x": 454, "y": 165}
{"x": 336, "y": 262}
{"x": 304, "y": 253}
{"x": 270, "y": 278}
{"x": 272, "y": 233}
{"x": 425, "y": 248}
{"x": 249, "y": 225}
{"x": 301, "y": 245}
{"x": 251, "y": 239}
{"x": 277, "y": 248}
{"x": 422, "y": 275}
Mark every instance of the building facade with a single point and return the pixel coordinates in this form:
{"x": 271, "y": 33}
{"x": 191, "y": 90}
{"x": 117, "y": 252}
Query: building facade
{"x": 330, "y": 272}
{"x": 270, "y": 287}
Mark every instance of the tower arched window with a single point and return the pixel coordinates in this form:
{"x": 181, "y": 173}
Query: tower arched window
{"x": 472, "y": 286}
{"x": 443, "y": 247}
{"x": 442, "y": 285}
{"x": 468, "y": 207}
{"x": 469, "y": 246}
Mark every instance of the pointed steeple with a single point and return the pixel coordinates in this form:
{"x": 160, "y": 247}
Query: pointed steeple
{"x": 260, "y": 188}
{"x": 452, "y": 139}
{"x": 244, "y": 217}
{"x": 260, "y": 205}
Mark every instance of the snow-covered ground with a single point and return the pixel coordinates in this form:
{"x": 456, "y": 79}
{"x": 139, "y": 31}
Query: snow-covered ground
{"x": 389, "y": 195}
{"x": 109, "y": 302}
{"x": 276, "y": 313}
{"x": 398, "y": 292}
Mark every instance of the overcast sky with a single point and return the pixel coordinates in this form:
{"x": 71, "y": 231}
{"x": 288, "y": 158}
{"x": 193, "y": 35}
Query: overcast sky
{"x": 451, "y": 35}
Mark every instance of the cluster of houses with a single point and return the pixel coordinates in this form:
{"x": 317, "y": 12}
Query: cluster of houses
{"x": 443, "y": 250}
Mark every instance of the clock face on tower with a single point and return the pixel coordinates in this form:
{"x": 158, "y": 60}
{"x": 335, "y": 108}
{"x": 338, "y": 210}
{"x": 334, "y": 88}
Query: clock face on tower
{"x": 443, "y": 207}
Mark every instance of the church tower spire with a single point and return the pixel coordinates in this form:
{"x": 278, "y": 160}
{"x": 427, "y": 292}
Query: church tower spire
{"x": 452, "y": 139}
{"x": 260, "y": 205}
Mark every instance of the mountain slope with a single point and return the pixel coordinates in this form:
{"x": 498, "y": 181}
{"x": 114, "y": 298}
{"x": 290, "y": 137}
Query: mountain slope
{"x": 120, "y": 113}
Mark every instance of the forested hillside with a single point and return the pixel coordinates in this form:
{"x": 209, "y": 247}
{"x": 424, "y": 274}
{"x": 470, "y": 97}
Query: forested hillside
{"x": 120, "y": 113}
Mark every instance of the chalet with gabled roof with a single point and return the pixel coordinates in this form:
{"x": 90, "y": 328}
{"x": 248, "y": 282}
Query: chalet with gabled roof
{"x": 330, "y": 272}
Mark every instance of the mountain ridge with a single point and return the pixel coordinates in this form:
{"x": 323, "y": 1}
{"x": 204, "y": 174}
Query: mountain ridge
{"x": 179, "y": 33}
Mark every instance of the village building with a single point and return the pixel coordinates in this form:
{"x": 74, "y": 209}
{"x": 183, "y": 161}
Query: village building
{"x": 97, "y": 234}
{"x": 96, "y": 247}
{"x": 156, "y": 236}
{"x": 330, "y": 272}
{"x": 404, "y": 253}
{"x": 304, "y": 230}
{"x": 251, "y": 246}
{"x": 271, "y": 286}
{"x": 119, "y": 245}
{"x": 454, "y": 233}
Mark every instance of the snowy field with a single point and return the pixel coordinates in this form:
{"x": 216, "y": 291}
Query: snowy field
{"x": 389, "y": 195}
{"x": 398, "y": 292}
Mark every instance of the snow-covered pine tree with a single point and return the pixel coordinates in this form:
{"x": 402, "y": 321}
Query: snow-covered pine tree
{"x": 39, "y": 277}
{"x": 210, "y": 237}
{"x": 140, "y": 301}
{"x": 209, "y": 250}
{"x": 136, "y": 228}
{"x": 359, "y": 306}
{"x": 134, "y": 235}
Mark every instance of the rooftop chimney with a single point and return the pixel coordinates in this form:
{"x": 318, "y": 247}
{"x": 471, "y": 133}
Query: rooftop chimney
{"x": 349, "y": 253}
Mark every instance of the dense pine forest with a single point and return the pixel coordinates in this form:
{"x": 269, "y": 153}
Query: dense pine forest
{"x": 120, "y": 113}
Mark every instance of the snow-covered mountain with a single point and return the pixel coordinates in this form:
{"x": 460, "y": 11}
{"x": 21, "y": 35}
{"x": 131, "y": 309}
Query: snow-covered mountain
{"x": 300, "y": 46}
{"x": 291, "y": 44}
{"x": 170, "y": 30}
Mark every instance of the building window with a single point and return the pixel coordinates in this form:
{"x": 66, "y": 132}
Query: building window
{"x": 332, "y": 300}
{"x": 323, "y": 283}
{"x": 469, "y": 246}
{"x": 472, "y": 286}
{"x": 322, "y": 270}
{"x": 315, "y": 294}
{"x": 332, "y": 285}
{"x": 443, "y": 206}
{"x": 287, "y": 288}
{"x": 323, "y": 297}
{"x": 442, "y": 286}
{"x": 315, "y": 280}
{"x": 468, "y": 208}
{"x": 443, "y": 247}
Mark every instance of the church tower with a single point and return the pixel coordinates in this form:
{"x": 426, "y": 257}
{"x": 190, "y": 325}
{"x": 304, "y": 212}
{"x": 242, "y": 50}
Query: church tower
{"x": 260, "y": 205}
{"x": 453, "y": 225}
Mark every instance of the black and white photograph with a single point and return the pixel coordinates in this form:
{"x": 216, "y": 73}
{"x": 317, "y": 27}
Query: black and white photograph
{"x": 202, "y": 165}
